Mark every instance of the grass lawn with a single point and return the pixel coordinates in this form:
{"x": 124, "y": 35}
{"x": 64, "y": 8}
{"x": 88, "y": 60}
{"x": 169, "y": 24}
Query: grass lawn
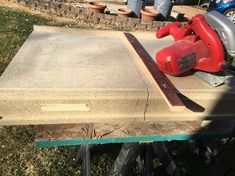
{"x": 18, "y": 154}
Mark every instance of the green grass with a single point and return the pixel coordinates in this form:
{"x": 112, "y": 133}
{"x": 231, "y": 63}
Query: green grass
{"x": 18, "y": 154}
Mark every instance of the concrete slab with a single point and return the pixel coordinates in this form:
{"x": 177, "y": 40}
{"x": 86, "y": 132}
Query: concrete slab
{"x": 89, "y": 72}
{"x": 85, "y": 60}
{"x": 63, "y": 75}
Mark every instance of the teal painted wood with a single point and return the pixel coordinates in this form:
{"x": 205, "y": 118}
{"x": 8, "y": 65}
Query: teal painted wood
{"x": 51, "y": 143}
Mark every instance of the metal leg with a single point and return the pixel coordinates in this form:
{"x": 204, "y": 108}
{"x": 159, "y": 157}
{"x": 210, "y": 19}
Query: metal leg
{"x": 125, "y": 159}
{"x": 129, "y": 154}
{"x": 140, "y": 165}
{"x": 205, "y": 151}
{"x": 83, "y": 157}
{"x": 161, "y": 150}
{"x": 148, "y": 160}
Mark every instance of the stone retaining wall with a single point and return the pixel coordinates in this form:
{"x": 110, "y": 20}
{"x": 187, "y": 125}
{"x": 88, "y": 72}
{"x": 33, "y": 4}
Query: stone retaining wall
{"x": 82, "y": 14}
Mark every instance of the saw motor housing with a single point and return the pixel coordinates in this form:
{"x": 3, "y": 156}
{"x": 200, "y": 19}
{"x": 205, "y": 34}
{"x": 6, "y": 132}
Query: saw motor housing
{"x": 197, "y": 46}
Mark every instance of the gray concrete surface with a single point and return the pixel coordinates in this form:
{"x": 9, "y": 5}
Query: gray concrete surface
{"x": 63, "y": 75}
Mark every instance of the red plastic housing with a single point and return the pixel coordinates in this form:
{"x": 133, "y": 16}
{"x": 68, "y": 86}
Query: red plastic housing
{"x": 197, "y": 47}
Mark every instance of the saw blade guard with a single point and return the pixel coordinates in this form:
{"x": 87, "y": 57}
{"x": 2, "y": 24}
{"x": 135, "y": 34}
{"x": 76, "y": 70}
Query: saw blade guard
{"x": 225, "y": 29}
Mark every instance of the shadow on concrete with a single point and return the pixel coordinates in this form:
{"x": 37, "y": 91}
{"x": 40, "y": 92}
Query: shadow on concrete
{"x": 224, "y": 164}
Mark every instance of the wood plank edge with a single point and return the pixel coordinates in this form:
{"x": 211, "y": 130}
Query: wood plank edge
{"x": 173, "y": 101}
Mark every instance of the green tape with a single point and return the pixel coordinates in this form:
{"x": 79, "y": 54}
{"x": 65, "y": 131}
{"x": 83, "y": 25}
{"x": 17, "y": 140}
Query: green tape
{"x": 67, "y": 142}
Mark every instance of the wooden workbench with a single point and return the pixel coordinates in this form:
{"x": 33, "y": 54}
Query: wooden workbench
{"x": 85, "y": 86}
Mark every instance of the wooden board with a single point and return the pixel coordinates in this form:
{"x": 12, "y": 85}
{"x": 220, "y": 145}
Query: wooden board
{"x": 62, "y": 76}
{"x": 74, "y": 134}
{"x": 165, "y": 87}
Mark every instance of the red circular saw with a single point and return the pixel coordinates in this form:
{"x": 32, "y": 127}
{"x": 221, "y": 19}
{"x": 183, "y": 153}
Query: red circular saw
{"x": 206, "y": 43}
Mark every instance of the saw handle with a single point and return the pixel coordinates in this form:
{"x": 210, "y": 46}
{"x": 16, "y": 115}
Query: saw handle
{"x": 168, "y": 30}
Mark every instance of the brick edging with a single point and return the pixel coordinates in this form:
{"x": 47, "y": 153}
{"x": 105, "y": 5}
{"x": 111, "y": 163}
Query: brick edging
{"x": 81, "y": 14}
